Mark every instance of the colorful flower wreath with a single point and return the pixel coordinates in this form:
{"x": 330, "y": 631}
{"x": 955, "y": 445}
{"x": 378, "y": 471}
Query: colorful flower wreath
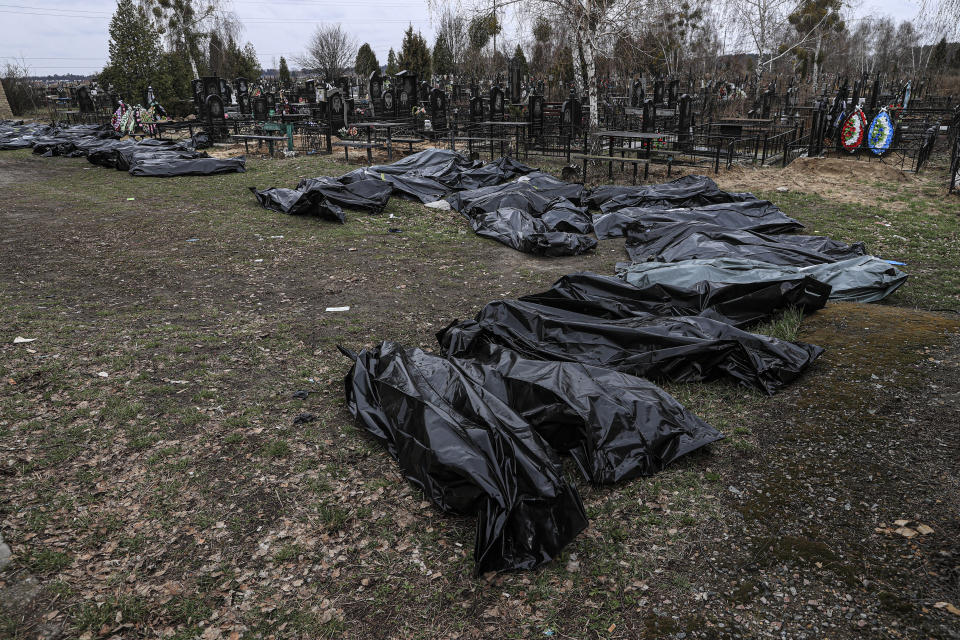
{"x": 851, "y": 135}
{"x": 880, "y": 135}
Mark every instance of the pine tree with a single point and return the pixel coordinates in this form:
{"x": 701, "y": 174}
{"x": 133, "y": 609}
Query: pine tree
{"x": 392, "y": 67}
{"x": 524, "y": 67}
{"x": 938, "y": 58}
{"x": 284, "y": 73}
{"x": 415, "y": 54}
{"x": 134, "y": 52}
{"x": 442, "y": 56}
{"x": 366, "y": 62}
{"x": 246, "y": 64}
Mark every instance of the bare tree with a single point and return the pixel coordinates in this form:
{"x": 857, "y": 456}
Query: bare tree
{"x": 330, "y": 52}
{"x": 761, "y": 21}
{"x": 453, "y": 27}
{"x": 17, "y": 87}
{"x": 187, "y": 24}
{"x": 595, "y": 27}
{"x": 944, "y": 15}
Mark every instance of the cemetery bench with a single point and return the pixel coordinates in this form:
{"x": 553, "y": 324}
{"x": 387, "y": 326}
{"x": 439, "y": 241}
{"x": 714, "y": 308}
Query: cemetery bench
{"x": 407, "y": 141}
{"x": 482, "y": 141}
{"x": 369, "y": 146}
{"x": 270, "y": 140}
{"x": 175, "y": 127}
{"x": 636, "y": 162}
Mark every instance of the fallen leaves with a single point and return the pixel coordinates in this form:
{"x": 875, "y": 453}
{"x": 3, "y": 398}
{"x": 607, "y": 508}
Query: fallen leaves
{"x": 949, "y": 607}
{"x": 906, "y": 528}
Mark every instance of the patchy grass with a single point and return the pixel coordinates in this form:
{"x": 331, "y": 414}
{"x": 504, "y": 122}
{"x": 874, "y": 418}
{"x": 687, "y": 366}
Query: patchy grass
{"x": 924, "y": 233}
{"x": 175, "y": 495}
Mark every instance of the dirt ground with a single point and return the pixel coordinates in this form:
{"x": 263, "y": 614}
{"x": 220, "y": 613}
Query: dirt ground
{"x": 162, "y": 476}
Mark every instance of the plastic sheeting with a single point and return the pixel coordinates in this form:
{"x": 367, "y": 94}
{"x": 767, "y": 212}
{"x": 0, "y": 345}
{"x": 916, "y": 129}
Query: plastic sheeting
{"x": 100, "y": 145}
{"x": 535, "y": 191}
{"x": 681, "y": 349}
{"x": 616, "y": 426}
{"x": 432, "y": 174}
{"x": 688, "y": 191}
{"x": 682, "y": 241}
{"x": 14, "y": 134}
{"x": 469, "y": 452}
{"x": 366, "y": 195}
{"x": 739, "y": 304}
{"x": 861, "y": 279}
{"x": 171, "y": 167}
{"x": 297, "y": 203}
{"x": 524, "y": 232}
{"x": 532, "y": 214}
{"x": 750, "y": 215}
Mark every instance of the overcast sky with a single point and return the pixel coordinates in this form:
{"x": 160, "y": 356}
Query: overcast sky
{"x": 70, "y": 36}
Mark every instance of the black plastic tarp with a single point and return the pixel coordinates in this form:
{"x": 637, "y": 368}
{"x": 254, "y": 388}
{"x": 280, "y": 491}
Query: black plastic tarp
{"x": 751, "y": 215}
{"x": 683, "y": 349}
{"x": 524, "y": 232}
{"x": 682, "y": 241}
{"x": 534, "y": 192}
{"x": 14, "y": 134}
{"x": 740, "y": 304}
{"x": 367, "y": 195}
{"x": 469, "y": 452}
{"x": 125, "y": 158}
{"x": 295, "y": 202}
{"x": 433, "y": 174}
{"x": 688, "y": 191}
{"x": 167, "y": 168}
{"x": 107, "y": 153}
{"x": 861, "y": 279}
{"x": 615, "y": 425}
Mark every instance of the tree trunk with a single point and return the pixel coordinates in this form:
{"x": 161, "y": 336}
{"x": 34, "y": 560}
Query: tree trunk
{"x": 816, "y": 59}
{"x": 589, "y": 54}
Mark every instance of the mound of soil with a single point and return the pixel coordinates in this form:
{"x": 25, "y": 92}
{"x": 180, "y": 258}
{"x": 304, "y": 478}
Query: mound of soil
{"x": 844, "y": 169}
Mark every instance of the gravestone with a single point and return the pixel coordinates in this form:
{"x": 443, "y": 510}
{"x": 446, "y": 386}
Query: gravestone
{"x": 198, "y": 95}
{"x": 438, "y": 110}
{"x": 476, "y": 109}
{"x": 570, "y": 115}
{"x": 338, "y": 110}
{"x": 649, "y": 115}
{"x": 271, "y": 100}
{"x": 407, "y": 92}
{"x": 496, "y": 103}
{"x": 535, "y": 115}
{"x": 242, "y": 86}
{"x": 375, "y": 86}
{"x": 390, "y": 103}
{"x": 765, "y": 104}
{"x": 658, "y": 91}
{"x": 243, "y": 101}
{"x": 672, "y": 94}
{"x": 84, "y": 101}
{"x": 636, "y": 93}
{"x": 225, "y": 91}
{"x": 685, "y": 118}
{"x": 214, "y": 109}
{"x": 343, "y": 84}
{"x": 211, "y": 86}
{"x": 874, "y": 95}
{"x": 515, "y": 80}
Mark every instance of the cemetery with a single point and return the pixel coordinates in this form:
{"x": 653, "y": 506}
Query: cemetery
{"x": 672, "y": 121}
{"x": 651, "y": 351}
